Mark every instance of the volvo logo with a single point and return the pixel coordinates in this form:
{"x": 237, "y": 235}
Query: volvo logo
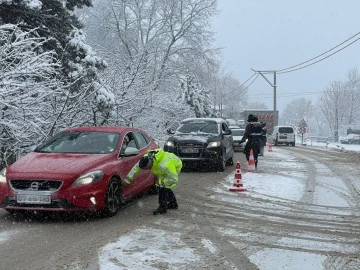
{"x": 34, "y": 186}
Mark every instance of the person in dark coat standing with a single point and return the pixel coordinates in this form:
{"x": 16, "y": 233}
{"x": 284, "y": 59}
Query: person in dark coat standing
{"x": 253, "y": 136}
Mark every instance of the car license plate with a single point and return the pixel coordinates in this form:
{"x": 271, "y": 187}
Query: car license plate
{"x": 190, "y": 150}
{"x": 33, "y": 199}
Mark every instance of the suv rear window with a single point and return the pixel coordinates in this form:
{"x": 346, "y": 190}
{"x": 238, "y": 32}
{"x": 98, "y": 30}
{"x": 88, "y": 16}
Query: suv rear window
{"x": 286, "y": 130}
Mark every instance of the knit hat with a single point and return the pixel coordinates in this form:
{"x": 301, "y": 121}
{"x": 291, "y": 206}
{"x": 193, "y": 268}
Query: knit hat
{"x": 252, "y": 118}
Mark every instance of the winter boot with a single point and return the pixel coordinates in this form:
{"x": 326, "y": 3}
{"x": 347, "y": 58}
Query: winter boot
{"x": 173, "y": 205}
{"x": 159, "y": 211}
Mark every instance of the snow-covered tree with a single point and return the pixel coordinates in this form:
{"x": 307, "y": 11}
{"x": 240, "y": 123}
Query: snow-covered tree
{"x": 296, "y": 110}
{"x": 229, "y": 96}
{"x": 333, "y": 105}
{"x": 195, "y": 96}
{"x": 352, "y": 88}
{"x": 147, "y": 43}
{"x": 257, "y": 105}
{"x": 79, "y": 66}
{"x": 28, "y": 84}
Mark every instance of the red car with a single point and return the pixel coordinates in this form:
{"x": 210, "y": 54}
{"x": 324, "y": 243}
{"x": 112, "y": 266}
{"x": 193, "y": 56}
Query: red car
{"x": 79, "y": 169}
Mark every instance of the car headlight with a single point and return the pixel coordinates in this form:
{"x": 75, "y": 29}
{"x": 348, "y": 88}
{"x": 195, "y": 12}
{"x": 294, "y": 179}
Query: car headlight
{"x": 169, "y": 144}
{"x": 3, "y": 176}
{"x": 88, "y": 178}
{"x": 213, "y": 144}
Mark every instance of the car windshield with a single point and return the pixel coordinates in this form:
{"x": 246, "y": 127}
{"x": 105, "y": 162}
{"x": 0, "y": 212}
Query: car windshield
{"x": 89, "y": 142}
{"x": 197, "y": 127}
{"x": 237, "y": 132}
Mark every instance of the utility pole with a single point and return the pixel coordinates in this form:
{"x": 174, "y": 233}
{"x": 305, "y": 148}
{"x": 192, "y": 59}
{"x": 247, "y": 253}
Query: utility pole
{"x": 273, "y": 85}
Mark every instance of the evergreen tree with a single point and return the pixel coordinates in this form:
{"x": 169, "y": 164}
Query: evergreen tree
{"x": 55, "y": 21}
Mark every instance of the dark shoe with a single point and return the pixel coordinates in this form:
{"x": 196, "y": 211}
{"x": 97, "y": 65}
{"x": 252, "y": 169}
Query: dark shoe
{"x": 172, "y": 206}
{"x": 159, "y": 211}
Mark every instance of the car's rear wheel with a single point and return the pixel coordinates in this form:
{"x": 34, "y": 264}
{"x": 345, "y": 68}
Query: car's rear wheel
{"x": 113, "y": 199}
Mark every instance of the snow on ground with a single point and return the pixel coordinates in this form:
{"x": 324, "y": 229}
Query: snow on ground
{"x": 4, "y": 236}
{"x": 148, "y": 245}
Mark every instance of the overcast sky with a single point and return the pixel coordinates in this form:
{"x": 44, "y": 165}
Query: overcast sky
{"x": 273, "y": 35}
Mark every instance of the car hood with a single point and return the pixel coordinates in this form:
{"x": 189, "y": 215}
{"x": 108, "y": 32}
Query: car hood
{"x": 203, "y": 137}
{"x": 54, "y": 164}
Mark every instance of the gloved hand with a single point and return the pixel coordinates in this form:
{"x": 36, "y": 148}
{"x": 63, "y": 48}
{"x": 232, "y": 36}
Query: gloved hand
{"x": 127, "y": 181}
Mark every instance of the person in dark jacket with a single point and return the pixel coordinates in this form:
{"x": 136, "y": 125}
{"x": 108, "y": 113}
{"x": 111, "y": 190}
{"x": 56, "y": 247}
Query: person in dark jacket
{"x": 253, "y": 137}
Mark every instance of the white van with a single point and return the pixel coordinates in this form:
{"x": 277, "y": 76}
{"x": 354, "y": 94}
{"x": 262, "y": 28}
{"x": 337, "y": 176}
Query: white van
{"x": 283, "y": 135}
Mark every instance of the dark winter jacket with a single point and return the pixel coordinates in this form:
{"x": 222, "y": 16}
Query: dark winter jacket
{"x": 253, "y": 134}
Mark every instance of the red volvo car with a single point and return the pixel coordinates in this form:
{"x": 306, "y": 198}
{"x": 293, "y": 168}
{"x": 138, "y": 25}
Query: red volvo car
{"x": 78, "y": 169}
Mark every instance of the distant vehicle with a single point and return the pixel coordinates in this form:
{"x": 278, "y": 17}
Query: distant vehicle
{"x": 283, "y": 135}
{"x": 241, "y": 123}
{"x": 237, "y": 134}
{"x": 231, "y": 122}
{"x": 204, "y": 140}
{"x": 351, "y": 139}
{"x": 78, "y": 169}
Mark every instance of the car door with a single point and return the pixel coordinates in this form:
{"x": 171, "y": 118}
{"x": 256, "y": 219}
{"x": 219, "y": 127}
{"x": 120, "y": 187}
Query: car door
{"x": 228, "y": 140}
{"x": 142, "y": 142}
{"x": 139, "y": 183}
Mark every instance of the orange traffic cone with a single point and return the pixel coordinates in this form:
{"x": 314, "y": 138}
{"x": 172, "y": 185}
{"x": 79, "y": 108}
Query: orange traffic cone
{"x": 251, "y": 165}
{"x": 237, "y": 185}
{"x": 270, "y": 147}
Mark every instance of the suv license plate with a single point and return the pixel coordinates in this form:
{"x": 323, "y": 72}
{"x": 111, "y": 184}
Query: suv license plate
{"x": 33, "y": 199}
{"x": 190, "y": 150}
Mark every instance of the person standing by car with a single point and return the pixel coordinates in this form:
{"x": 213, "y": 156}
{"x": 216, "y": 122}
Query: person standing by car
{"x": 166, "y": 166}
{"x": 253, "y": 137}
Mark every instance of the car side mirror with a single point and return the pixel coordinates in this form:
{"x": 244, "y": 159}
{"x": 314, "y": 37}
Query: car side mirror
{"x": 170, "y": 131}
{"x": 227, "y": 132}
{"x": 130, "y": 151}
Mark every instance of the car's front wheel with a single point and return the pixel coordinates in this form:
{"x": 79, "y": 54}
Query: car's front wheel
{"x": 230, "y": 161}
{"x": 222, "y": 163}
{"x": 113, "y": 199}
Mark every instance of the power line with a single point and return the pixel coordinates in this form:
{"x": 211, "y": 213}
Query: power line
{"x": 319, "y": 59}
{"x": 293, "y": 68}
{"x": 247, "y": 80}
{"x": 280, "y": 70}
{"x": 240, "y": 87}
{"x": 251, "y": 82}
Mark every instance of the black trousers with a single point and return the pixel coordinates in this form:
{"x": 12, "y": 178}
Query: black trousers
{"x": 166, "y": 197}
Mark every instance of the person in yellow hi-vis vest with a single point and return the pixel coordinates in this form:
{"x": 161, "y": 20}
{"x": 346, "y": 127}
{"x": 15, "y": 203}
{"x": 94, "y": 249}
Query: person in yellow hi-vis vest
{"x": 166, "y": 166}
